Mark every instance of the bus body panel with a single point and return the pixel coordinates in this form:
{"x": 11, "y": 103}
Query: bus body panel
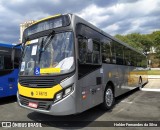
{"x": 8, "y": 84}
{"x": 90, "y": 89}
{"x": 9, "y": 76}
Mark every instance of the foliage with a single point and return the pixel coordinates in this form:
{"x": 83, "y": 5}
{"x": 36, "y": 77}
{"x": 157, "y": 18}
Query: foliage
{"x": 143, "y": 42}
{"x": 154, "y": 72}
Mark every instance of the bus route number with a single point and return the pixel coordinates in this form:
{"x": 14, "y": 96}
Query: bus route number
{"x": 40, "y": 93}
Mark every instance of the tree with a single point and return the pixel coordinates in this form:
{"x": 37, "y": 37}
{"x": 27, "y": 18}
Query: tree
{"x": 157, "y": 44}
{"x": 146, "y": 44}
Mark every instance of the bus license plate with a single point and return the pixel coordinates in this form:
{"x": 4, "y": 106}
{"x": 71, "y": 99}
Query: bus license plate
{"x": 33, "y": 105}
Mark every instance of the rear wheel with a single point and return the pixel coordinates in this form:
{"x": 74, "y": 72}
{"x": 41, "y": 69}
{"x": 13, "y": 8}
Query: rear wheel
{"x": 109, "y": 99}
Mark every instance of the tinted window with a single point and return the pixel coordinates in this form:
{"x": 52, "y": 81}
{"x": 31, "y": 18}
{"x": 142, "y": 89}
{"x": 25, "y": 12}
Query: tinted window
{"x": 106, "y": 52}
{"x": 5, "y": 62}
{"x": 84, "y": 34}
{"x": 127, "y": 60}
{"x": 96, "y": 52}
{"x": 133, "y": 58}
{"x": 119, "y": 53}
{"x": 82, "y": 50}
{"x": 1, "y": 62}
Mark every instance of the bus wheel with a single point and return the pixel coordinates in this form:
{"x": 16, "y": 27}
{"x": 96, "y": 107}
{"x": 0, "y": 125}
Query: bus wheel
{"x": 109, "y": 98}
{"x": 140, "y": 83}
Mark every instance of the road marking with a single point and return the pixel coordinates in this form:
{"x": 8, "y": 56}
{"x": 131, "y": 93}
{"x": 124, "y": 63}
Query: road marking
{"x": 150, "y": 89}
{"x": 127, "y": 102}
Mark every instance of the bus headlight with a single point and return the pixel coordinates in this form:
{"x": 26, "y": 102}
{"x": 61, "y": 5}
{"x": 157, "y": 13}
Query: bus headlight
{"x": 67, "y": 90}
{"x": 59, "y": 96}
{"x": 63, "y": 93}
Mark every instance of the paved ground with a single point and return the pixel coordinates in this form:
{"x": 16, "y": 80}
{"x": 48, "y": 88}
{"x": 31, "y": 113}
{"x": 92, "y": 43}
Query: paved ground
{"x": 153, "y": 83}
{"x": 133, "y": 106}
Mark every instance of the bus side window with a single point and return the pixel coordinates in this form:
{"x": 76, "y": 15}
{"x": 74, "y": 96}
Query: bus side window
{"x": 133, "y": 58}
{"x": 1, "y": 63}
{"x": 96, "y": 52}
{"x": 7, "y": 62}
{"x": 119, "y": 53}
{"x": 82, "y": 50}
{"x": 106, "y": 53}
{"x": 139, "y": 59}
{"x": 127, "y": 56}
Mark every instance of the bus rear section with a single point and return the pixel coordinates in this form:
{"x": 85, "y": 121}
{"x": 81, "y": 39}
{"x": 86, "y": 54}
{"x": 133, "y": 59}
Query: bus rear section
{"x": 8, "y": 70}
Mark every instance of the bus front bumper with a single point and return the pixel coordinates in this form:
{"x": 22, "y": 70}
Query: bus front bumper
{"x": 66, "y": 106}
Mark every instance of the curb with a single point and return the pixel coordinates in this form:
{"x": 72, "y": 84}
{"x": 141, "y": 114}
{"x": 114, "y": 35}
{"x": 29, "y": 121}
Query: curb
{"x": 153, "y": 76}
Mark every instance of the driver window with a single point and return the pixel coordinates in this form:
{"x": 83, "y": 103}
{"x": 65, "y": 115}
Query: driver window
{"x": 87, "y": 57}
{"x": 82, "y": 50}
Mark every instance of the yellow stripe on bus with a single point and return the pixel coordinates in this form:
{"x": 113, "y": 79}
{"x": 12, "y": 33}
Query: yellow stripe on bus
{"x": 39, "y": 93}
{"x": 49, "y": 70}
{"x": 28, "y": 42}
{"x": 47, "y": 18}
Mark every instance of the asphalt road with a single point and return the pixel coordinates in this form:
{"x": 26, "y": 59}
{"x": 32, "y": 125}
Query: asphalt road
{"x": 153, "y": 83}
{"x": 134, "y": 106}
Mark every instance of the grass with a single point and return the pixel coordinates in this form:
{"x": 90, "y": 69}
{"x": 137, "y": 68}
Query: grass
{"x": 154, "y": 72}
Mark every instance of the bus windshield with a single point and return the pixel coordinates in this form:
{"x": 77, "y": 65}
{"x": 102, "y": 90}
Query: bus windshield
{"x": 56, "y": 58}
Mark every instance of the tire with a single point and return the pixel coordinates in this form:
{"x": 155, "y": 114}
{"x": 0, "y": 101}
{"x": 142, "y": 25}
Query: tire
{"x": 108, "y": 99}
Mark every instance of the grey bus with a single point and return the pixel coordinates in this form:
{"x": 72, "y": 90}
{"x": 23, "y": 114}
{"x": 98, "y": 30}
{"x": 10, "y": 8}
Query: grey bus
{"x": 69, "y": 65}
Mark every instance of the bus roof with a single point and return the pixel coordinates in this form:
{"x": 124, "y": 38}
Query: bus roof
{"x": 9, "y": 45}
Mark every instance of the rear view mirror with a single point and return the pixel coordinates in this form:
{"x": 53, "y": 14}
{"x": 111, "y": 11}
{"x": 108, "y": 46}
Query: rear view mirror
{"x": 90, "y": 45}
{"x": 12, "y": 56}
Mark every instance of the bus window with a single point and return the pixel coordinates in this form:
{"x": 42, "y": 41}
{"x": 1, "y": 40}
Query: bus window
{"x": 82, "y": 50}
{"x": 7, "y": 62}
{"x": 106, "y": 53}
{"x": 139, "y": 60}
{"x": 133, "y": 58}
{"x": 96, "y": 52}
{"x": 87, "y": 57}
{"x": 113, "y": 53}
{"x": 119, "y": 54}
{"x": 127, "y": 56}
{"x": 1, "y": 62}
{"x": 144, "y": 61}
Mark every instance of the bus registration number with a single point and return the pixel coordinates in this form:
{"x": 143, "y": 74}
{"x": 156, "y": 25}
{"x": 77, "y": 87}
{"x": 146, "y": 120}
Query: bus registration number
{"x": 40, "y": 93}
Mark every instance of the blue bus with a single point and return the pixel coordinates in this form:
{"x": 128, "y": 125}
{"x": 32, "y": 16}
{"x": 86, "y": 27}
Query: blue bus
{"x": 8, "y": 69}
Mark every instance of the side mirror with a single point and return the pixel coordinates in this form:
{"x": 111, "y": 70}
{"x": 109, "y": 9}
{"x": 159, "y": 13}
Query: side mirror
{"x": 13, "y": 53}
{"x": 90, "y": 45}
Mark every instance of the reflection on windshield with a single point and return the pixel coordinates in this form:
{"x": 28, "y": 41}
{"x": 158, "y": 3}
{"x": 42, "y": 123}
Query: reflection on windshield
{"x": 58, "y": 54}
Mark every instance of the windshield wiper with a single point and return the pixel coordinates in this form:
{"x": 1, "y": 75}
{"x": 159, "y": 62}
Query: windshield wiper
{"x": 44, "y": 43}
{"x": 49, "y": 37}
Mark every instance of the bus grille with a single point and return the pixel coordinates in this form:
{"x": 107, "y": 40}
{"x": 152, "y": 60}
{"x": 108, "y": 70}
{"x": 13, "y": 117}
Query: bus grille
{"x": 42, "y": 105}
{"x": 37, "y": 82}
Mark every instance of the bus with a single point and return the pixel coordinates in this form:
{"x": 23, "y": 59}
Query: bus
{"x": 69, "y": 66}
{"x": 8, "y": 70}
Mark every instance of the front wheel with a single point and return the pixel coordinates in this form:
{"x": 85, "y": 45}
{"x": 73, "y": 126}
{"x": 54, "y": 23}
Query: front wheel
{"x": 109, "y": 99}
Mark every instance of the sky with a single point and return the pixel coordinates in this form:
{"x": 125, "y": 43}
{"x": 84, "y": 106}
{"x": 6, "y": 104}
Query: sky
{"x": 112, "y": 16}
